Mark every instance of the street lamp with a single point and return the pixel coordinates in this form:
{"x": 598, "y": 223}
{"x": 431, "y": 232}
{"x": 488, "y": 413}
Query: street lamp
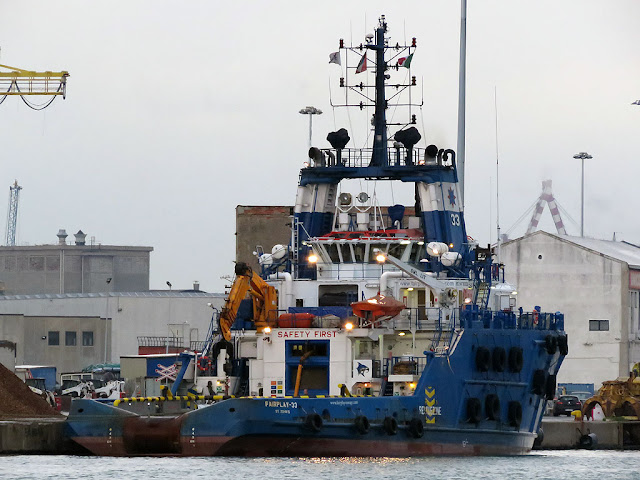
{"x": 106, "y": 320}
{"x": 311, "y": 111}
{"x": 581, "y": 156}
{"x": 169, "y": 322}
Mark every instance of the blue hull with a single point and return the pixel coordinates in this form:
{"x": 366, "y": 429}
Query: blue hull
{"x": 453, "y": 411}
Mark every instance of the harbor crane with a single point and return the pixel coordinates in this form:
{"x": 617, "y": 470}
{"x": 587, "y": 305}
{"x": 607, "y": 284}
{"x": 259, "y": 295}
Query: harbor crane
{"x": 28, "y": 83}
{"x": 12, "y": 214}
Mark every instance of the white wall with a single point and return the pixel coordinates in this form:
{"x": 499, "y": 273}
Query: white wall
{"x": 132, "y": 316}
{"x": 561, "y": 276}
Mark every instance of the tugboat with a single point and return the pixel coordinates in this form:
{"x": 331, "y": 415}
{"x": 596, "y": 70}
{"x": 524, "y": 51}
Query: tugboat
{"x": 379, "y": 331}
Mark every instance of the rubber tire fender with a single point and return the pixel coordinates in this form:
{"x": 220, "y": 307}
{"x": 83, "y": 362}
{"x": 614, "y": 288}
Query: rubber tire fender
{"x": 314, "y": 422}
{"x": 361, "y": 424}
{"x": 390, "y": 425}
{"x": 483, "y": 359}
{"x": 550, "y": 344}
{"x": 492, "y": 406}
{"x": 515, "y": 414}
{"x": 416, "y": 427}
{"x": 516, "y": 359}
{"x": 550, "y": 387}
{"x": 499, "y": 359}
{"x": 474, "y": 410}
{"x": 538, "y": 385}
{"x": 563, "y": 345}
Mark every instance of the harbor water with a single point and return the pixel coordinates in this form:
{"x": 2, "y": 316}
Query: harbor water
{"x": 552, "y": 464}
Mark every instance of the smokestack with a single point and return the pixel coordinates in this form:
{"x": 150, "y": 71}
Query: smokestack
{"x": 62, "y": 236}
{"x": 196, "y": 285}
{"x": 80, "y": 236}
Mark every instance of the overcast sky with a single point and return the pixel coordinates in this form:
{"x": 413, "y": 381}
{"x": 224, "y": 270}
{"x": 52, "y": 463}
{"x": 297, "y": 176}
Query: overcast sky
{"x": 177, "y": 112}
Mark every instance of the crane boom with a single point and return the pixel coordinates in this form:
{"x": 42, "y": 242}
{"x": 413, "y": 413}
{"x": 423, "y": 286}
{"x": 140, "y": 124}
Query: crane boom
{"x": 27, "y": 82}
{"x": 425, "y": 278}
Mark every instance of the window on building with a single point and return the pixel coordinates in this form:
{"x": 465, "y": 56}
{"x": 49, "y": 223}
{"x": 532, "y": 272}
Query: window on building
{"x": 599, "y": 325}
{"x": 87, "y": 339}
{"x": 54, "y": 338}
{"x": 70, "y": 339}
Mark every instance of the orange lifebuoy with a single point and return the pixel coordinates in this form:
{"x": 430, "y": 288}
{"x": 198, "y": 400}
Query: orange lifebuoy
{"x": 535, "y": 317}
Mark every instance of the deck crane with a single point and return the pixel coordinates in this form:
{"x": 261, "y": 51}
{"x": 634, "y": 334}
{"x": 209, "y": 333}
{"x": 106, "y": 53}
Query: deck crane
{"x": 27, "y": 83}
{"x": 12, "y": 215}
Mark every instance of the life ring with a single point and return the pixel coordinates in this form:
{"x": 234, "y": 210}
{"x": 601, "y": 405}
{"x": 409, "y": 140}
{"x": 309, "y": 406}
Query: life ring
{"x": 550, "y": 344}
{"x": 483, "y": 359}
{"x": 550, "y": 388}
{"x": 361, "y": 424}
{"x": 539, "y": 382}
{"x": 492, "y": 406}
{"x": 563, "y": 345}
{"x": 390, "y": 425}
{"x": 499, "y": 359}
{"x": 416, "y": 427}
{"x": 516, "y": 359}
{"x": 314, "y": 422}
{"x": 535, "y": 317}
{"x": 515, "y": 414}
{"x": 474, "y": 410}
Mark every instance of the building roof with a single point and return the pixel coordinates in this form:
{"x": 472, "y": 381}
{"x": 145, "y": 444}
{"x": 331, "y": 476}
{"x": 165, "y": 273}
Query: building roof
{"x": 51, "y": 296}
{"x": 623, "y": 251}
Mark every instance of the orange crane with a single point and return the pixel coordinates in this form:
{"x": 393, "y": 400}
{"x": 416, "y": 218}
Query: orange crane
{"x": 264, "y": 297}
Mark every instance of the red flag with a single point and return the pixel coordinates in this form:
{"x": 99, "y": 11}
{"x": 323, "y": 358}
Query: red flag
{"x": 362, "y": 66}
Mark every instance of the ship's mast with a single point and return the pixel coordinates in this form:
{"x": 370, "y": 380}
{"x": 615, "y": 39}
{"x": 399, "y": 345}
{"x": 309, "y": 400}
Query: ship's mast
{"x": 380, "y": 155}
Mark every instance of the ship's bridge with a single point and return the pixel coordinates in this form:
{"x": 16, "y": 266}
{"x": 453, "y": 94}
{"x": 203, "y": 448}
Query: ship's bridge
{"x": 352, "y": 254}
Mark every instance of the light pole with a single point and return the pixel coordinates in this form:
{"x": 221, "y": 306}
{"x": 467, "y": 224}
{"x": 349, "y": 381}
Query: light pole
{"x": 169, "y": 322}
{"x": 311, "y": 111}
{"x": 581, "y": 156}
{"x": 106, "y": 320}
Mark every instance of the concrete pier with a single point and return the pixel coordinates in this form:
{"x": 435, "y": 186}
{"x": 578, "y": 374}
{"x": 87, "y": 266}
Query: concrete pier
{"x": 560, "y": 433}
{"x": 34, "y": 435}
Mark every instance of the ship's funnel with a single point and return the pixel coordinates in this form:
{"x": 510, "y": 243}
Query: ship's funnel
{"x": 430, "y": 154}
{"x": 408, "y": 137}
{"x": 317, "y": 156}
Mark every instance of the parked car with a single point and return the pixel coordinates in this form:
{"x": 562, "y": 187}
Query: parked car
{"x": 566, "y": 404}
{"x": 582, "y": 396}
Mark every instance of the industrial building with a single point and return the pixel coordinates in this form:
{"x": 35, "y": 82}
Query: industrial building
{"x": 596, "y": 284}
{"x": 73, "y": 268}
{"x": 72, "y": 331}
{"x": 74, "y": 305}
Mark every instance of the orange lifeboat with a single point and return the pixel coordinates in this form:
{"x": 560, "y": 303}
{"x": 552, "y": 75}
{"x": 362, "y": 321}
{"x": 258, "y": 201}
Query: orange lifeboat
{"x": 377, "y": 308}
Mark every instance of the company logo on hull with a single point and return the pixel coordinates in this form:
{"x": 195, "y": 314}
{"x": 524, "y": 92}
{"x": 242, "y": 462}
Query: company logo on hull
{"x": 430, "y": 410}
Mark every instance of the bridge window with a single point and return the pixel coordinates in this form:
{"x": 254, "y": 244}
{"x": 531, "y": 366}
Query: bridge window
{"x": 332, "y": 250}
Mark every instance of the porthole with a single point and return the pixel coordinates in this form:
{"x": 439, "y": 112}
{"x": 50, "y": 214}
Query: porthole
{"x": 540, "y": 257}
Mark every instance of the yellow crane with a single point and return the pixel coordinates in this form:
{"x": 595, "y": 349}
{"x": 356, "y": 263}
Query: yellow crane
{"x": 21, "y": 82}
